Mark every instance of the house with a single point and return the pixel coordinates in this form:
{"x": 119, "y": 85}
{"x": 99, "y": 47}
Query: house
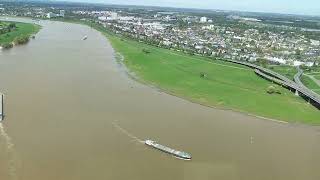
{"x": 51, "y": 15}
{"x": 203, "y": 19}
{"x": 62, "y": 13}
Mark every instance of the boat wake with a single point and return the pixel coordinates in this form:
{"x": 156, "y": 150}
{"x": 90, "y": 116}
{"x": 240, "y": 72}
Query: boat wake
{"x": 181, "y": 158}
{"x": 12, "y": 161}
{"x": 135, "y": 138}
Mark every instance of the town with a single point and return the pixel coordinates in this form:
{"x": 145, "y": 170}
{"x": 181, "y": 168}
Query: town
{"x": 214, "y": 34}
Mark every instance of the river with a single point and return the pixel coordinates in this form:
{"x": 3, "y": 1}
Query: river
{"x": 69, "y": 104}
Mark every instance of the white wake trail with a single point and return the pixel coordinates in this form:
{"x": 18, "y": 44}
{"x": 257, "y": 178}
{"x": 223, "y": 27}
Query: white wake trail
{"x": 10, "y": 152}
{"x": 135, "y": 138}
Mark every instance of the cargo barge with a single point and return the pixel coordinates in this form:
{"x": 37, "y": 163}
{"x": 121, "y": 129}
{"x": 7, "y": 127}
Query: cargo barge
{"x": 178, "y": 154}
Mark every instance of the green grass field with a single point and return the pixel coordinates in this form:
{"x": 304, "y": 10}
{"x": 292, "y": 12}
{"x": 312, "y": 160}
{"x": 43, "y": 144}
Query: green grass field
{"x": 285, "y": 70}
{"x": 314, "y": 74}
{"x": 317, "y": 76}
{"x": 23, "y": 29}
{"x": 226, "y": 85}
{"x": 307, "y": 81}
{"x": 317, "y": 90}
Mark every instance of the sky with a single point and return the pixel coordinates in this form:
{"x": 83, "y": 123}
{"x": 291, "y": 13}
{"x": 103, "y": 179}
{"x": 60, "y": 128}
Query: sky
{"x": 304, "y": 7}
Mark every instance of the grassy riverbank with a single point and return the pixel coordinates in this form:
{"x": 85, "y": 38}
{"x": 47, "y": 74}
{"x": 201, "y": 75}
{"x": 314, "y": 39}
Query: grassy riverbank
{"x": 20, "y": 34}
{"x": 225, "y": 84}
{"x": 221, "y": 84}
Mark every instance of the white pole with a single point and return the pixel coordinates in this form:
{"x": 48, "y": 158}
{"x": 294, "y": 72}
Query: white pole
{"x": 1, "y": 108}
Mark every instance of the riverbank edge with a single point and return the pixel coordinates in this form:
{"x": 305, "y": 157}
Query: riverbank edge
{"x": 134, "y": 77}
{"x": 29, "y": 35}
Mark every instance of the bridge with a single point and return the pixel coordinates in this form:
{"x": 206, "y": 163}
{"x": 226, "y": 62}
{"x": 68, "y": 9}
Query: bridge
{"x": 295, "y": 85}
{"x": 262, "y": 69}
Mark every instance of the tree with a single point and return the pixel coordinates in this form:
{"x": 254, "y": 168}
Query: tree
{"x": 263, "y": 62}
{"x": 272, "y": 90}
{"x": 203, "y": 75}
{"x": 7, "y": 45}
{"x": 147, "y": 51}
{"x": 21, "y": 40}
{"x": 12, "y": 25}
{"x": 298, "y": 52}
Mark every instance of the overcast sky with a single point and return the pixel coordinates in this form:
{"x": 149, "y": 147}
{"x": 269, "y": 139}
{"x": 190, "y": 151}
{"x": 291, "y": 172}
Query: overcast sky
{"x": 307, "y": 7}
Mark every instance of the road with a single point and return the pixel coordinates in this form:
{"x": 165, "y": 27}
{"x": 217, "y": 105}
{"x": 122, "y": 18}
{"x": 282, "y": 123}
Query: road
{"x": 296, "y": 85}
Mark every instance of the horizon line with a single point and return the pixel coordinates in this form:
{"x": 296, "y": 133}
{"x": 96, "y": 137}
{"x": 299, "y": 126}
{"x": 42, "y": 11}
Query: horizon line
{"x": 176, "y": 7}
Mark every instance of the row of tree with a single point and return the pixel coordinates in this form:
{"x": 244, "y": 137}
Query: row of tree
{"x": 6, "y": 28}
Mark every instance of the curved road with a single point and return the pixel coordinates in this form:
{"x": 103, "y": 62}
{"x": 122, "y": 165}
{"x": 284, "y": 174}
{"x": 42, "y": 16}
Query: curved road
{"x": 282, "y": 80}
{"x": 314, "y": 96}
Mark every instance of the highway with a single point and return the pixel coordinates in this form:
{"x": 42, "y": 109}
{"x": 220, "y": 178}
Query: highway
{"x": 262, "y": 69}
{"x": 296, "y": 85}
{"x": 297, "y": 77}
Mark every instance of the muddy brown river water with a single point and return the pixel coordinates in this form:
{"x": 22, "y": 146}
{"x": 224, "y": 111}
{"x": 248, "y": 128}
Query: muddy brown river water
{"x": 64, "y": 95}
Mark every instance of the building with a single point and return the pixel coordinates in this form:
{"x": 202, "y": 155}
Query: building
{"x": 114, "y": 15}
{"x": 62, "y": 13}
{"x": 102, "y": 18}
{"x": 203, "y": 19}
{"x": 51, "y": 15}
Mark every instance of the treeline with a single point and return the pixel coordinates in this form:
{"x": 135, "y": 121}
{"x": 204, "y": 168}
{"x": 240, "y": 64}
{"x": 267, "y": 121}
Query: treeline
{"x": 6, "y": 28}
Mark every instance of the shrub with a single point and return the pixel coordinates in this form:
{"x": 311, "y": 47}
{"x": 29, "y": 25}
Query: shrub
{"x": 272, "y": 90}
{"x": 7, "y": 45}
{"x": 203, "y": 75}
{"x": 12, "y": 25}
{"x": 21, "y": 40}
{"x": 147, "y": 51}
{"x": 278, "y": 91}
